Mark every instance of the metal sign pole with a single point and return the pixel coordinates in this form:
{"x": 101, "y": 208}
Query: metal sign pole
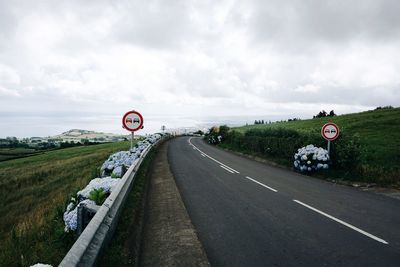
{"x": 329, "y": 147}
{"x": 132, "y": 140}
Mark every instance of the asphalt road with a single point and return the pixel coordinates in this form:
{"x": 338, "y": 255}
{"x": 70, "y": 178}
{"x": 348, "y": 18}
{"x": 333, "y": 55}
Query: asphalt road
{"x": 251, "y": 214}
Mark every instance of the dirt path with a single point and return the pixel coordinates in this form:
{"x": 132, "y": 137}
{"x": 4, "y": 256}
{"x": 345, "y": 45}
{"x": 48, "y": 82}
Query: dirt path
{"x": 169, "y": 238}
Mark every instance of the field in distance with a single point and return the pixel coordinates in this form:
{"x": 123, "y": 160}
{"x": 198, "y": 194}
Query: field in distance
{"x": 34, "y": 191}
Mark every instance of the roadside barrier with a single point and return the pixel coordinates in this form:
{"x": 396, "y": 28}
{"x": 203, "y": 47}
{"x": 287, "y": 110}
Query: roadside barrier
{"x": 97, "y": 234}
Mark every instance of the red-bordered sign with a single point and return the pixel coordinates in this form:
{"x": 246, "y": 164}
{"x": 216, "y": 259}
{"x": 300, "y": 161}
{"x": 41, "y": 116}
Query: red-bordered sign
{"x": 132, "y": 121}
{"x": 330, "y": 131}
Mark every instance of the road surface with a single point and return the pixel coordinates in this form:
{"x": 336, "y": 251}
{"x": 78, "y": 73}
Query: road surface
{"x": 251, "y": 214}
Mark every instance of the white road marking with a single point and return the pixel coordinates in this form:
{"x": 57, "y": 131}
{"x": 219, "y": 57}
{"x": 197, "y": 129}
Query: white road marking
{"x": 220, "y": 163}
{"x": 223, "y": 167}
{"x": 257, "y": 182}
{"x": 342, "y": 222}
{"x": 203, "y": 155}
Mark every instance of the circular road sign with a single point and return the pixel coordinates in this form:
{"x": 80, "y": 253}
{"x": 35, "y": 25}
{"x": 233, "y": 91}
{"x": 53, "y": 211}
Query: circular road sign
{"x": 330, "y": 131}
{"x": 132, "y": 121}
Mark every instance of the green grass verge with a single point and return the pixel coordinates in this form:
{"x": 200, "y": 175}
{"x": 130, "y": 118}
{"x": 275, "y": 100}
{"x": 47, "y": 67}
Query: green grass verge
{"x": 378, "y": 131}
{"x": 13, "y": 153}
{"x": 34, "y": 192}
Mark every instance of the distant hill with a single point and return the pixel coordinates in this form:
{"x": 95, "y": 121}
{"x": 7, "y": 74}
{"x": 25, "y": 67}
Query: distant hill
{"x": 78, "y": 134}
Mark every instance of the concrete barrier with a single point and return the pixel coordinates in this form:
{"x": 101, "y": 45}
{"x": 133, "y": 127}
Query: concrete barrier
{"x": 99, "y": 231}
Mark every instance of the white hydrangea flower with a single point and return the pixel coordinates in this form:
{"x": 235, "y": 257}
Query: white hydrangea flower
{"x": 71, "y": 217}
{"x": 116, "y": 163}
{"x": 315, "y": 157}
{"x": 106, "y": 183}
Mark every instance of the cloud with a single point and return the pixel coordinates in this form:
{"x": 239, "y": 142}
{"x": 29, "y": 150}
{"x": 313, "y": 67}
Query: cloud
{"x": 200, "y": 59}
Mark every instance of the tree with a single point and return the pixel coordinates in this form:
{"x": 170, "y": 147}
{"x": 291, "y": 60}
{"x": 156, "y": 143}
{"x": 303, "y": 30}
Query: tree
{"x": 223, "y": 131}
{"x": 332, "y": 113}
{"x": 321, "y": 114}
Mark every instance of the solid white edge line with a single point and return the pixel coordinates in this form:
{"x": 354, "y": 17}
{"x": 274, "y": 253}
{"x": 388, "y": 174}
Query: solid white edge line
{"x": 220, "y": 163}
{"x": 342, "y": 222}
{"x": 223, "y": 167}
{"x": 257, "y": 182}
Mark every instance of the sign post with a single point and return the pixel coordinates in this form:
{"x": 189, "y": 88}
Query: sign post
{"x": 132, "y": 121}
{"x": 330, "y": 132}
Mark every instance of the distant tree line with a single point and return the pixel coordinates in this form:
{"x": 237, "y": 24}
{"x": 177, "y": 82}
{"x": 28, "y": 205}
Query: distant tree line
{"x": 323, "y": 114}
{"x": 384, "y": 107}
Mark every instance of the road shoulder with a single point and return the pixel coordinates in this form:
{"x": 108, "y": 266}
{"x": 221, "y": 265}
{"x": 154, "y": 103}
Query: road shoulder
{"x": 169, "y": 236}
{"x": 358, "y": 185}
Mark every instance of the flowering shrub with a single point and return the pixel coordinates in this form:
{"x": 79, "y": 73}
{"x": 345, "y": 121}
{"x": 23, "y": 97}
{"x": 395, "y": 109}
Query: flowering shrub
{"x": 117, "y": 164}
{"x": 106, "y": 183}
{"x": 311, "y": 158}
{"x": 99, "y": 188}
{"x": 71, "y": 215}
{"x": 98, "y": 196}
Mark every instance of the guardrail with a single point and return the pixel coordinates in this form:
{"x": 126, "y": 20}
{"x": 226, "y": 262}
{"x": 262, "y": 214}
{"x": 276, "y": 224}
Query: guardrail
{"x": 97, "y": 234}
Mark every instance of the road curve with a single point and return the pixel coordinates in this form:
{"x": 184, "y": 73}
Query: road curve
{"x": 251, "y": 214}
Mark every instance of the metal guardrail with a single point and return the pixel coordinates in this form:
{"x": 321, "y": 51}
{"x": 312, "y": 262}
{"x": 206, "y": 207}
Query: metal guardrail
{"x": 97, "y": 234}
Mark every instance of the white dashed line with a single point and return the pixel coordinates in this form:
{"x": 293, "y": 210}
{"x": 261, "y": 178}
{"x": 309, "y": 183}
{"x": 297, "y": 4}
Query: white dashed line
{"x": 266, "y": 186}
{"x": 220, "y": 163}
{"x": 342, "y": 222}
{"x": 223, "y": 167}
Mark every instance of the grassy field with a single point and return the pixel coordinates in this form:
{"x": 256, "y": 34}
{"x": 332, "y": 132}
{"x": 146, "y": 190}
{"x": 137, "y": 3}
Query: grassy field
{"x": 34, "y": 191}
{"x": 378, "y": 130}
{"x": 12, "y": 153}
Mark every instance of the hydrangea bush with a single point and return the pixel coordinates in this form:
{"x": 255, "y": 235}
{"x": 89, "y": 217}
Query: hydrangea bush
{"x": 311, "y": 158}
{"x": 111, "y": 172}
{"x": 71, "y": 215}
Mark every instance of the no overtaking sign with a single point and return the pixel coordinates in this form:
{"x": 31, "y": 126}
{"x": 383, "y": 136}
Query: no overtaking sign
{"x": 330, "y": 131}
{"x": 132, "y": 121}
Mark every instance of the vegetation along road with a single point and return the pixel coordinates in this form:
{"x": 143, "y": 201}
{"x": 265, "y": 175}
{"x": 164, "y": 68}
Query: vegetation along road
{"x": 250, "y": 214}
{"x": 34, "y": 192}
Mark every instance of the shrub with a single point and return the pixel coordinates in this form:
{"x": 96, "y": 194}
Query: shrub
{"x": 98, "y": 196}
{"x": 281, "y": 143}
{"x": 311, "y": 158}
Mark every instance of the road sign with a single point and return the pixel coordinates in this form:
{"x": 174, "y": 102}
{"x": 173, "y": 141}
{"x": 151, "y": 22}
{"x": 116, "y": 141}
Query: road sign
{"x": 330, "y": 131}
{"x": 132, "y": 121}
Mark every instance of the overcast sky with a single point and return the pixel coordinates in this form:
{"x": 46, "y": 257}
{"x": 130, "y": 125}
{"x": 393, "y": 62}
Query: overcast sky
{"x": 83, "y": 64}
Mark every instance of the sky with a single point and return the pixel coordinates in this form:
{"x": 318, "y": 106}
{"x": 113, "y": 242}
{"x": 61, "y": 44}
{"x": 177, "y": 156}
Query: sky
{"x": 83, "y": 64}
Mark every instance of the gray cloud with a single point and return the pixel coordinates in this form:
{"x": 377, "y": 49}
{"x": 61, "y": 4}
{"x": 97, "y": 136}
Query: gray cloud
{"x": 199, "y": 59}
{"x": 326, "y": 21}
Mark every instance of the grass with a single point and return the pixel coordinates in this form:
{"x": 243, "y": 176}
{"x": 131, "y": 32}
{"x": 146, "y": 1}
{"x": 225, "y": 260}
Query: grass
{"x": 34, "y": 192}
{"x": 12, "y": 153}
{"x": 378, "y": 134}
{"x": 378, "y": 131}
